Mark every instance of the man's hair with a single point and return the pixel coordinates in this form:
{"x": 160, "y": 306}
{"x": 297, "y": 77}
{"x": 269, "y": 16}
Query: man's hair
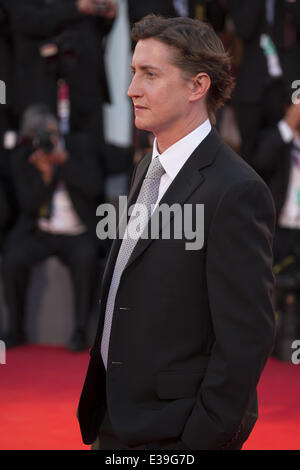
{"x": 36, "y": 118}
{"x": 197, "y": 48}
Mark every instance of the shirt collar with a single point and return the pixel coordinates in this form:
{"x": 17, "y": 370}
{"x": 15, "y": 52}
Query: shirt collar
{"x": 175, "y": 156}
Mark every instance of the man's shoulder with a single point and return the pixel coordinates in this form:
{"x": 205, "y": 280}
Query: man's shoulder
{"x": 229, "y": 174}
{"x": 231, "y": 168}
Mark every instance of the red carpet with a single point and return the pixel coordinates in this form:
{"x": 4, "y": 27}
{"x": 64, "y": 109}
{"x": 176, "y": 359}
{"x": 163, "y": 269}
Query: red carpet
{"x": 40, "y": 388}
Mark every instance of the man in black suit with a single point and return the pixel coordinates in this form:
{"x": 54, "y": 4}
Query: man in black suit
{"x": 270, "y": 35}
{"x": 59, "y": 185}
{"x": 184, "y": 332}
{"x": 277, "y": 160}
{"x": 78, "y": 29}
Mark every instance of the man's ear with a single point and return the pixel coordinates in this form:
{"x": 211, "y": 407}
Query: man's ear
{"x": 199, "y": 86}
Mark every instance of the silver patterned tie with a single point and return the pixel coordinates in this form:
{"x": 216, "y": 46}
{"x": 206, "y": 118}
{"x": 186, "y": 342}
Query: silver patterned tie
{"x": 147, "y": 197}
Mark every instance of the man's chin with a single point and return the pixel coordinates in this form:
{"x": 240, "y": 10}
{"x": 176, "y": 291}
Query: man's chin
{"x": 141, "y": 127}
{"x": 139, "y": 124}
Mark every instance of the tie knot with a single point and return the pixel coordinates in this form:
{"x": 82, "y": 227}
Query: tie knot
{"x": 155, "y": 170}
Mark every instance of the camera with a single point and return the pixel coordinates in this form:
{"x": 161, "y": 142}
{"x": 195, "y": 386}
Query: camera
{"x": 43, "y": 141}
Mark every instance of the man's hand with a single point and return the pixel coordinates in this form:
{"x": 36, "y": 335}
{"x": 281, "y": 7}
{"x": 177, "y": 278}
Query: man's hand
{"x": 110, "y": 11}
{"x": 292, "y": 117}
{"x": 43, "y": 164}
{"x": 59, "y": 156}
{"x": 86, "y": 7}
{"x": 93, "y": 7}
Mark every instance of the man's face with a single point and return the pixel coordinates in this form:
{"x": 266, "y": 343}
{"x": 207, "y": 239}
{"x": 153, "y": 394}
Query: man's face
{"x": 159, "y": 92}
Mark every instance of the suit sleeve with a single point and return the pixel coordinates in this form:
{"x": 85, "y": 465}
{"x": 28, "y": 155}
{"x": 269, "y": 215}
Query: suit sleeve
{"x": 240, "y": 287}
{"x": 246, "y": 17}
{"x": 269, "y": 152}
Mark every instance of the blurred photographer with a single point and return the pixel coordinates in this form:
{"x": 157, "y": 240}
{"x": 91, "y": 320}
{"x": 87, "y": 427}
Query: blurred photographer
{"x": 59, "y": 185}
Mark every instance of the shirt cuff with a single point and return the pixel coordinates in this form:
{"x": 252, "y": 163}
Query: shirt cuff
{"x": 286, "y": 132}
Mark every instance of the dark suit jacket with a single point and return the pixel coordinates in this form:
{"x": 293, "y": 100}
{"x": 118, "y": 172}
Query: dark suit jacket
{"x": 81, "y": 175}
{"x": 191, "y": 330}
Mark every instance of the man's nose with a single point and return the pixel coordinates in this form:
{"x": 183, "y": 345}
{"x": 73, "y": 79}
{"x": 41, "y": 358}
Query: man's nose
{"x": 134, "y": 88}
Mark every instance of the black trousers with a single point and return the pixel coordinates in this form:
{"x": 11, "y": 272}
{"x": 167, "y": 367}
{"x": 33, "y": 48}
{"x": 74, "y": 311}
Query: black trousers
{"x": 78, "y": 252}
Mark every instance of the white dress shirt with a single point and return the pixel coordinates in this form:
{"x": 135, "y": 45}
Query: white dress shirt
{"x": 175, "y": 156}
{"x": 64, "y": 220}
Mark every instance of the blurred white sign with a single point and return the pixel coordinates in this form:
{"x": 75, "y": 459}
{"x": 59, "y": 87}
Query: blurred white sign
{"x": 2, "y": 353}
{"x": 2, "y": 92}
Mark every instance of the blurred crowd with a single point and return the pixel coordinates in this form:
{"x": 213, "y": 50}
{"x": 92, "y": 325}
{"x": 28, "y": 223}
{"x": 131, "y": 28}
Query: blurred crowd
{"x": 54, "y": 159}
